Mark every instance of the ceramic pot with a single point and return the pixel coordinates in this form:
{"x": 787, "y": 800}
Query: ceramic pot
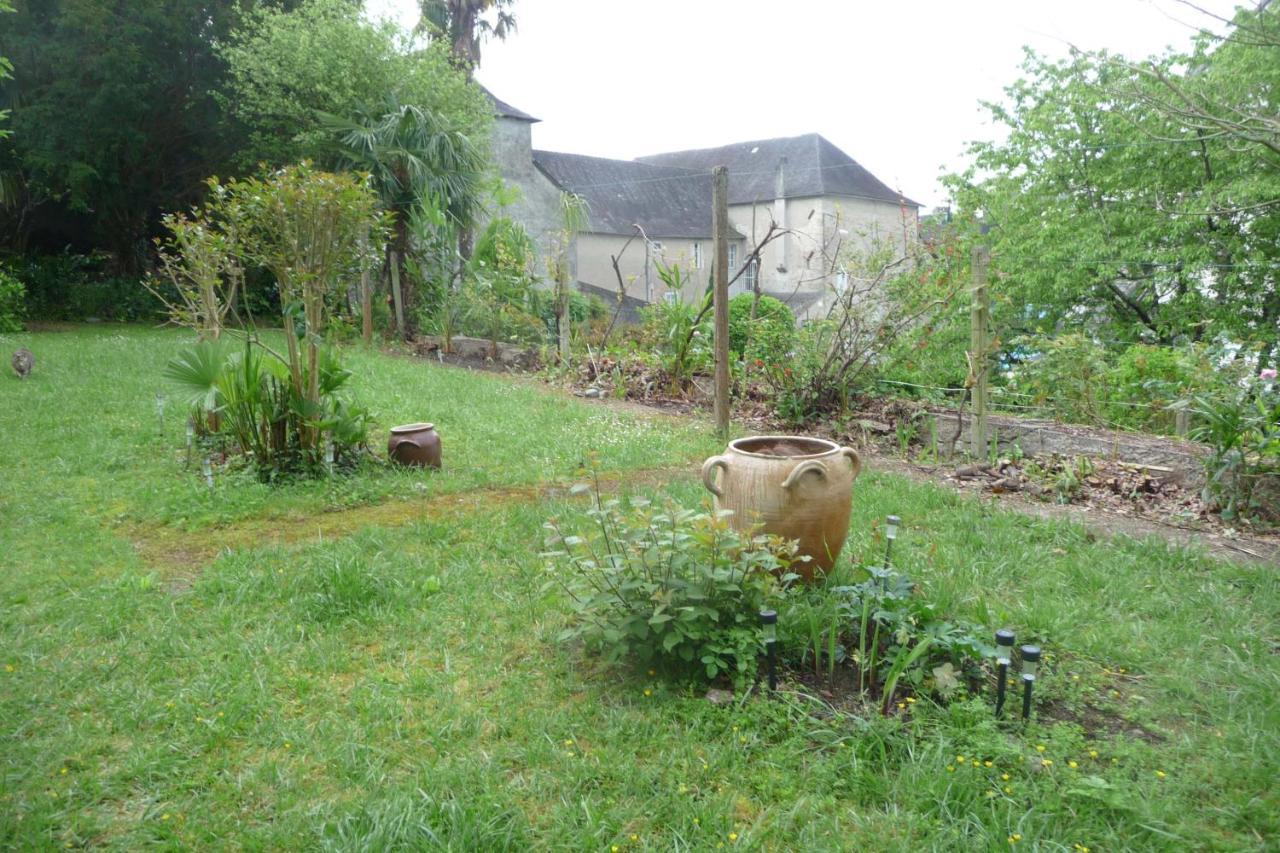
{"x": 415, "y": 444}
{"x": 796, "y": 487}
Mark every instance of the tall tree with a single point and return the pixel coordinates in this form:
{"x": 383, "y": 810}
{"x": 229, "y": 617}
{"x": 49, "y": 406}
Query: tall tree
{"x": 466, "y": 24}
{"x": 417, "y": 161}
{"x": 1144, "y": 196}
{"x": 289, "y": 70}
{"x": 112, "y": 117}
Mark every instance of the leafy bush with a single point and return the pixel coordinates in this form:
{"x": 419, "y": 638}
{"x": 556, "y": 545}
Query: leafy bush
{"x": 77, "y": 287}
{"x": 886, "y": 631}
{"x": 1242, "y": 428}
{"x": 769, "y": 336}
{"x": 1146, "y": 380}
{"x": 12, "y": 305}
{"x": 669, "y": 585}
{"x": 1065, "y": 374}
{"x": 679, "y": 332}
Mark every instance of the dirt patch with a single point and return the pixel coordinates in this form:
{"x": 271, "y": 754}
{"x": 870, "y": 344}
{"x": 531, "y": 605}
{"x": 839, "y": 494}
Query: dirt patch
{"x": 181, "y": 555}
{"x": 1096, "y": 722}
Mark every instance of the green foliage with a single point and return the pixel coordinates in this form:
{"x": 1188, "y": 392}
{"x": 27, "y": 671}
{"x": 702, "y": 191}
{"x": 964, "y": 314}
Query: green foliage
{"x": 248, "y": 395}
{"x": 12, "y": 302}
{"x": 668, "y": 585}
{"x": 679, "y": 331}
{"x": 113, "y": 118}
{"x": 6, "y": 71}
{"x": 1064, "y": 374}
{"x": 769, "y": 336}
{"x": 887, "y": 631}
{"x": 287, "y": 70}
{"x": 1241, "y": 425}
{"x": 70, "y": 286}
{"x": 1142, "y": 194}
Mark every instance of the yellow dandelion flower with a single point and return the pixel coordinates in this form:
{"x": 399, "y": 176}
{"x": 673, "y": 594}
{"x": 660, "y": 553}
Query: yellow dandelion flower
{"x": 1004, "y": 776}
{"x": 1073, "y": 765}
{"x": 1160, "y": 774}
{"x": 950, "y": 769}
{"x": 911, "y": 700}
{"x": 648, "y": 692}
{"x": 988, "y": 764}
{"x": 696, "y": 821}
{"x": 1093, "y": 753}
{"x": 959, "y": 759}
{"x": 1015, "y": 838}
{"x": 288, "y": 745}
{"x": 733, "y": 836}
{"x": 164, "y": 816}
{"x": 635, "y": 837}
{"x": 901, "y": 705}
{"x": 991, "y": 793}
{"x": 568, "y": 743}
{"x": 9, "y": 667}
{"x": 742, "y": 738}
{"x": 1039, "y": 747}
{"x": 653, "y": 672}
{"x": 735, "y": 728}
{"x": 64, "y": 771}
{"x": 613, "y": 849}
{"x": 1046, "y": 762}
{"x": 1008, "y": 789}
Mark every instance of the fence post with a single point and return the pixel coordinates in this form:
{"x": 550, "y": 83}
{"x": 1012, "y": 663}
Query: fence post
{"x": 720, "y": 228}
{"x": 979, "y": 357}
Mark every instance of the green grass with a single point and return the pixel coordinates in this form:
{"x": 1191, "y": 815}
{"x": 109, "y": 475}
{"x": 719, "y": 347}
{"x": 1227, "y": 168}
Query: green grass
{"x": 401, "y": 686}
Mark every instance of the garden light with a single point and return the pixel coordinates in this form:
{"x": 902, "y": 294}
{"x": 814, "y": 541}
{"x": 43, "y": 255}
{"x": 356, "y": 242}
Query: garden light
{"x": 160, "y": 410}
{"x": 890, "y": 534}
{"x": 1030, "y": 658}
{"x": 769, "y": 625}
{"x": 1004, "y": 658}
{"x": 208, "y": 472}
{"x": 191, "y": 437}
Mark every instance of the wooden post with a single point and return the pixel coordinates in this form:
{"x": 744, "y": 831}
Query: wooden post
{"x": 395, "y": 295}
{"x": 979, "y": 357}
{"x": 719, "y": 230}
{"x": 366, "y": 293}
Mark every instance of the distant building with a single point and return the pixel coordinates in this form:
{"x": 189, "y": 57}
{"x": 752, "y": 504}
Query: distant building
{"x": 823, "y": 199}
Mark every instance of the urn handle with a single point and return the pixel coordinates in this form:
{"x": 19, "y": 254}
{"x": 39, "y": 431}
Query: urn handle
{"x": 708, "y": 473}
{"x": 802, "y": 469}
{"x": 854, "y": 459}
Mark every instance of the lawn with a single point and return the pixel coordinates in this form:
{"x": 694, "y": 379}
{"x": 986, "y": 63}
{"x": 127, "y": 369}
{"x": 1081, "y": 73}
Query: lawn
{"x": 372, "y": 662}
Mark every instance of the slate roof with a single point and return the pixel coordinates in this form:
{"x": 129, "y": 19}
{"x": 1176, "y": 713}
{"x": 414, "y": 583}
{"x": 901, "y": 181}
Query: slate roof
{"x": 814, "y": 167}
{"x": 666, "y": 201}
{"x": 504, "y": 110}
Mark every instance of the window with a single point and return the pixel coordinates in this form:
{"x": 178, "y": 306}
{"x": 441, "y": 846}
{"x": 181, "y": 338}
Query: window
{"x": 733, "y": 259}
{"x": 752, "y": 275}
{"x": 842, "y": 279}
{"x": 697, "y": 256}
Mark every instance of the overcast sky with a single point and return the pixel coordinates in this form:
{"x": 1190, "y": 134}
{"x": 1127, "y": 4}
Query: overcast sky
{"x": 895, "y": 85}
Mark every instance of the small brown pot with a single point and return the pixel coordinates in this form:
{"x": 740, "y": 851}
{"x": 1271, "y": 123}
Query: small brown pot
{"x": 415, "y": 444}
{"x": 796, "y": 487}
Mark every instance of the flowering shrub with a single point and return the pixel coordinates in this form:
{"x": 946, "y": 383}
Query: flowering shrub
{"x": 668, "y": 585}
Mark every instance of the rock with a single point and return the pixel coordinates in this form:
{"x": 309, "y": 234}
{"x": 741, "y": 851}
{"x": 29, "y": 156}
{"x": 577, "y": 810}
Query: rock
{"x": 878, "y": 427}
{"x": 590, "y": 393}
{"x": 716, "y": 696}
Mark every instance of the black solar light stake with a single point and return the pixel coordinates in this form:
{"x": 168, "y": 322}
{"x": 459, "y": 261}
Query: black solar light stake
{"x": 191, "y": 437}
{"x": 1004, "y": 658}
{"x": 890, "y": 534}
{"x": 1030, "y": 657}
{"x": 769, "y": 623}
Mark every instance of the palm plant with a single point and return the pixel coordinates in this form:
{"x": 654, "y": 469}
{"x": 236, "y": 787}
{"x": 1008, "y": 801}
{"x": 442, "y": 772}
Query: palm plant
{"x": 415, "y": 160}
{"x": 464, "y": 24}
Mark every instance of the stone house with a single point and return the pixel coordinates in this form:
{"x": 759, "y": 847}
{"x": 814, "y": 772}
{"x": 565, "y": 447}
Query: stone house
{"x": 657, "y": 209}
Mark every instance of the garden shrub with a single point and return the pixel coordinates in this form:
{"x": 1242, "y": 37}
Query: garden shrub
{"x": 668, "y": 585}
{"x": 769, "y": 336}
{"x": 1146, "y": 380}
{"x": 1064, "y": 374}
{"x": 12, "y": 302}
{"x": 1241, "y": 425}
{"x": 68, "y": 286}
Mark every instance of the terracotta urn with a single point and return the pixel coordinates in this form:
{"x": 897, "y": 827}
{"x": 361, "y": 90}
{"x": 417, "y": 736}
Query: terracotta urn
{"x": 416, "y": 445}
{"x": 796, "y": 487}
